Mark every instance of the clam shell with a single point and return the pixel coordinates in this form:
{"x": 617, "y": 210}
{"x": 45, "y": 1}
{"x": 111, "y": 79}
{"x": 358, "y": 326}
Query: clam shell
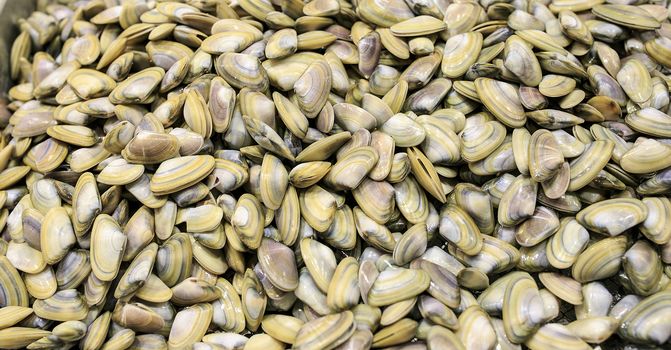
{"x": 599, "y": 217}
{"x": 312, "y": 86}
{"x": 555, "y": 336}
{"x": 642, "y": 324}
{"x": 569, "y": 241}
{"x": 343, "y": 290}
{"x": 179, "y": 173}
{"x": 599, "y": 260}
{"x": 107, "y": 246}
{"x": 247, "y": 220}
{"x": 64, "y": 305}
{"x": 502, "y": 100}
{"x": 396, "y": 284}
{"x": 190, "y": 325}
{"x": 522, "y": 307}
{"x": 325, "y": 332}
{"x": 275, "y": 255}
{"x": 518, "y": 201}
{"x": 475, "y": 328}
{"x": 461, "y": 51}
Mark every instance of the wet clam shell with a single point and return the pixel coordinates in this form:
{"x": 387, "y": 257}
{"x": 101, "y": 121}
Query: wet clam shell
{"x": 151, "y": 148}
{"x": 281, "y": 327}
{"x": 242, "y": 70}
{"x": 312, "y": 86}
{"x": 654, "y": 227}
{"x": 569, "y": 241}
{"x": 107, "y": 246}
{"x": 358, "y": 163}
{"x": 343, "y": 290}
{"x": 56, "y": 235}
{"x": 229, "y": 41}
{"x": 317, "y": 207}
{"x": 193, "y": 290}
{"x": 89, "y": 83}
{"x": 522, "y": 307}
{"x": 342, "y": 232}
{"x": 325, "y": 332}
{"x": 562, "y": 286}
{"x": 247, "y": 220}
{"x": 643, "y": 322}
{"x": 139, "y": 269}
{"x": 646, "y": 156}
{"x": 179, "y": 173}
{"x": 461, "y": 51}
{"x": 20, "y": 337}
{"x": 119, "y": 172}
{"x": 64, "y": 305}
{"x": 639, "y": 89}
{"x": 396, "y": 333}
{"x": 13, "y": 315}
{"x": 626, "y": 15}
{"x": 587, "y": 166}
{"x": 412, "y": 244}
{"x": 502, "y": 100}
{"x": 599, "y": 260}
{"x": 641, "y": 265}
{"x": 649, "y": 121}
{"x": 13, "y": 287}
{"x": 418, "y": 26}
{"x": 555, "y": 336}
{"x": 320, "y": 262}
{"x": 543, "y": 223}
{"x": 545, "y": 157}
{"x": 601, "y": 217}
{"x": 190, "y": 325}
{"x": 475, "y": 328}
{"x": 127, "y": 92}
{"x": 600, "y": 328}
{"x": 273, "y": 182}
{"x": 396, "y": 284}
{"x": 515, "y": 205}
{"x": 274, "y": 255}
{"x": 520, "y": 60}
{"x": 154, "y": 290}
{"x": 459, "y": 228}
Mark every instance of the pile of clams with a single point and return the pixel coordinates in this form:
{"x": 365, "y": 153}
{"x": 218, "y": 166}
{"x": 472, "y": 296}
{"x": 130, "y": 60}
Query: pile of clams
{"x": 337, "y": 174}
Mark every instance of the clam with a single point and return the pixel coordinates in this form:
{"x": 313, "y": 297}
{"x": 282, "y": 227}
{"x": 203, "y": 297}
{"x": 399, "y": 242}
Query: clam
{"x": 599, "y": 260}
{"x": 396, "y": 284}
{"x": 475, "y": 328}
{"x": 555, "y": 336}
{"x": 641, "y": 323}
{"x": 520, "y": 61}
{"x": 502, "y": 100}
{"x": 179, "y": 173}
{"x": 598, "y": 217}
{"x": 522, "y": 307}
{"x": 343, "y": 290}
{"x": 327, "y": 331}
{"x": 107, "y": 246}
{"x": 567, "y": 243}
{"x": 190, "y": 325}
{"x": 312, "y": 86}
{"x": 461, "y": 51}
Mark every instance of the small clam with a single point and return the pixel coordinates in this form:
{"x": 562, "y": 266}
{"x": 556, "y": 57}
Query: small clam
{"x": 613, "y": 216}
{"x": 461, "y": 51}
{"x": 107, "y": 246}
{"x": 599, "y": 260}
{"x": 397, "y": 284}
{"x": 502, "y": 100}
